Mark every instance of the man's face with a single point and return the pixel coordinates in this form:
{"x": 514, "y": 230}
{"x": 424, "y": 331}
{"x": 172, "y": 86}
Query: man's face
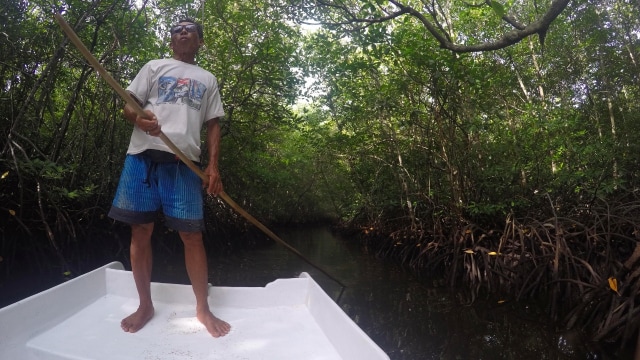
{"x": 184, "y": 38}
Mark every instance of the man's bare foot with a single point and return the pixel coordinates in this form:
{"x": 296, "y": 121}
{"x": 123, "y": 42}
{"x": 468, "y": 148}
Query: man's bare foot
{"x": 215, "y": 326}
{"x": 138, "y": 319}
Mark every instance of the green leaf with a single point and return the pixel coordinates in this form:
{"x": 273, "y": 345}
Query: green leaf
{"x": 498, "y": 8}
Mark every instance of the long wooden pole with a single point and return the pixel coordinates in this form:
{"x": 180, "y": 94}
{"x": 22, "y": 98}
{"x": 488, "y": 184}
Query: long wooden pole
{"x": 138, "y": 109}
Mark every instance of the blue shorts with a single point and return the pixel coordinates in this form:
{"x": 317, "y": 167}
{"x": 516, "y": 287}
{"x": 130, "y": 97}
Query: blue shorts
{"x": 147, "y": 187}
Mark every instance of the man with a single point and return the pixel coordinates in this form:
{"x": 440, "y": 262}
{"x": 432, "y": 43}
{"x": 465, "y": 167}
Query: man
{"x": 178, "y": 97}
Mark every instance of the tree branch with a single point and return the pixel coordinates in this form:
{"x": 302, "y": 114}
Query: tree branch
{"x": 510, "y": 38}
{"x": 520, "y": 32}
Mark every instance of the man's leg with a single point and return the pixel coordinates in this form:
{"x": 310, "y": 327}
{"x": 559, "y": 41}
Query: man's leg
{"x": 141, "y": 265}
{"x": 196, "y": 262}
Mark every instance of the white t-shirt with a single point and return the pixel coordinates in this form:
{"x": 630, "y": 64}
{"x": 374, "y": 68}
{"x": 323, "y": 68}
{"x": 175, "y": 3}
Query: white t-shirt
{"x": 183, "y": 96}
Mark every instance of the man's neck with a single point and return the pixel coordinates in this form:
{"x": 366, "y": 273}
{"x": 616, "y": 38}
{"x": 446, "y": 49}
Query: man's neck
{"x": 188, "y": 58}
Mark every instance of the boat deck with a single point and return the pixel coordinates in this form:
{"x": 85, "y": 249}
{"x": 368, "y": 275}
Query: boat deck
{"x": 287, "y": 319}
{"x": 284, "y": 332}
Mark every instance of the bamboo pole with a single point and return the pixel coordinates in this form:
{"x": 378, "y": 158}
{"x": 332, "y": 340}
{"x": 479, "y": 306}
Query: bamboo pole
{"x": 138, "y": 109}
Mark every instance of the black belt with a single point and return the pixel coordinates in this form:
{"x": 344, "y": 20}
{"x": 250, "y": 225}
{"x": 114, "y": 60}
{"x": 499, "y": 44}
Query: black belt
{"x": 161, "y": 157}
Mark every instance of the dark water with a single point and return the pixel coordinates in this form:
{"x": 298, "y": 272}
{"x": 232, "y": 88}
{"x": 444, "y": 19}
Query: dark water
{"x": 407, "y": 316}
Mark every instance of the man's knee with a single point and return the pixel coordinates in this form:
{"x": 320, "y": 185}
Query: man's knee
{"x": 141, "y": 232}
{"x": 189, "y": 238}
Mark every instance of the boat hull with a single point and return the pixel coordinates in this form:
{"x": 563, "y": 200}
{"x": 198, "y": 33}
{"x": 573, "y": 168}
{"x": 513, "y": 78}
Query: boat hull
{"x": 80, "y": 319}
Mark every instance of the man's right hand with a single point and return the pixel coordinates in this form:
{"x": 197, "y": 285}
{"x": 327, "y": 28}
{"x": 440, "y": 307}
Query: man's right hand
{"x": 148, "y": 124}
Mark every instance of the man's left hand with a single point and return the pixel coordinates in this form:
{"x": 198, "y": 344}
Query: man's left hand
{"x": 214, "y": 186}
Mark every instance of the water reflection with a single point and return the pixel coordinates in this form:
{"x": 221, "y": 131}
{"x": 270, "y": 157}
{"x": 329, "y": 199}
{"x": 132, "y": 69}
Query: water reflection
{"x": 404, "y": 315}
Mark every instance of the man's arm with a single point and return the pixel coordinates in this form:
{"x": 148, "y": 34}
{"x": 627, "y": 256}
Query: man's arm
{"x": 148, "y": 124}
{"x": 214, "y": 186}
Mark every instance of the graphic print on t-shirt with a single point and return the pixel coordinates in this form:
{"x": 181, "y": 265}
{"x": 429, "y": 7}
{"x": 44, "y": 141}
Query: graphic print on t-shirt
{"x": 188, "y": 91}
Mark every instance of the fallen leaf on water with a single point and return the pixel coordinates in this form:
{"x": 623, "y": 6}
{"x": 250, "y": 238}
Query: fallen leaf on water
{"x": 469, "y": 251}
{"x": 613, "y": 284}
{"x": 12, "y": 212}
{"x": 501, "y": 301}
{"x": 4, "y": 175}
{"x": 492, "y": 253}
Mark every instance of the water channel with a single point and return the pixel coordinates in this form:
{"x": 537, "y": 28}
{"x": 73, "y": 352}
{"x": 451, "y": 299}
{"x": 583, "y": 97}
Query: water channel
{"x": 406, "y": 315}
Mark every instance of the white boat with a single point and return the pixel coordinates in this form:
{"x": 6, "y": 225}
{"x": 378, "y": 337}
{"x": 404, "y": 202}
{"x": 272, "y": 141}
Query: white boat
{"x": 80, "y": 320}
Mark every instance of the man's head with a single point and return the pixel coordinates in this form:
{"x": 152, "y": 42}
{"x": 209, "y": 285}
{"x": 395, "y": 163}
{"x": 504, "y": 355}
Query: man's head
{"x": 186, "y": 38}
{"x": 187, "y": 21}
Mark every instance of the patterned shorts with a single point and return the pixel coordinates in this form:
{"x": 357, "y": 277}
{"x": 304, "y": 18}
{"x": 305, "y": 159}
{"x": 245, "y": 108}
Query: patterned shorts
{"x": 147, "y": 187}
